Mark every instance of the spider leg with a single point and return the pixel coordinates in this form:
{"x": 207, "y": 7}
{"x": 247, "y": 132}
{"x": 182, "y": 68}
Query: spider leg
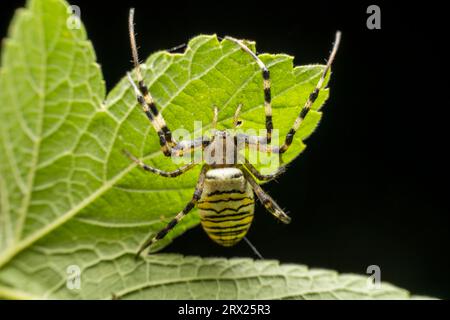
{"x": 163, "y": 141}
{"x": 145, "y": 98}
{"x": 264, "y": 177}
{"x": 215, "y": 119}
{"x": 312, "y": 97}
{"x": 255, "y": 142}
{"x": 236, "y": 121}
{"x": 190, "y": 145}
{"x": 159, "y": 172}
{"x": 179, "y": 150}
{"x": 266, "y": 82}
{"x": 266, "y": 200}
{"x": 163, "y": 232}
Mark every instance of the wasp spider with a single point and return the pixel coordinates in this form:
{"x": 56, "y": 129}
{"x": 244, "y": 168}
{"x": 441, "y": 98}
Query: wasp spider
{"x": 225, "y": 190}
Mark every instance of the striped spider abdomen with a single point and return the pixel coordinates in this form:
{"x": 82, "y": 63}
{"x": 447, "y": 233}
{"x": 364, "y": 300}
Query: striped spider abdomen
{"x": 226, "y": 206}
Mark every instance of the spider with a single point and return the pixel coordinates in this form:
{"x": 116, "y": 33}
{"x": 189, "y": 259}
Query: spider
{"x": 224, "y": 193}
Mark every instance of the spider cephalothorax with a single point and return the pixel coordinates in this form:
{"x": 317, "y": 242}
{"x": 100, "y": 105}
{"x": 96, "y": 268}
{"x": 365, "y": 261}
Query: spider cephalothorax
{"x": 225, "y": 190}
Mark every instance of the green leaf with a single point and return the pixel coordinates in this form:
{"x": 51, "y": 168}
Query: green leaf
{"x": 168, "y": 276}
{"x": 68, "y": 196}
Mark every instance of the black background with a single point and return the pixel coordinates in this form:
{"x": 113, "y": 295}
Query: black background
{"x": 372, "y": 186}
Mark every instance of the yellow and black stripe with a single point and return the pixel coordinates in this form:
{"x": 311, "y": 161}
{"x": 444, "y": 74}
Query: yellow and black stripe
{"x": 311, "y": 99}
{"x": 266, "y": 200}
{"x": 191, "y": 204}
{"x": 145, "y": 99}
{"x": 226, "y": 206}
{"x": 266, "y": 85}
